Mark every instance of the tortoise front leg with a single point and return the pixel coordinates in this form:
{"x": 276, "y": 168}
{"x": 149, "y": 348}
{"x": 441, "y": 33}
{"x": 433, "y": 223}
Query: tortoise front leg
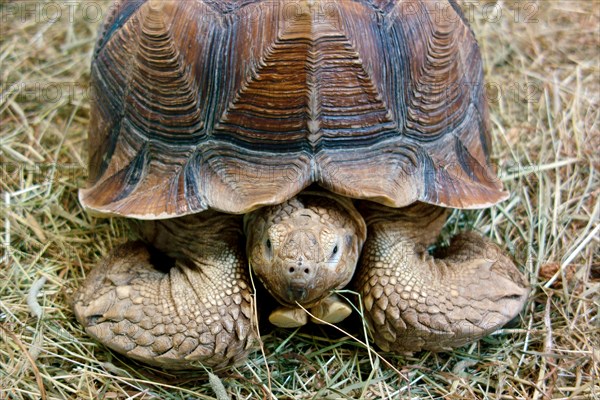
{"x": 417, "y": 302}
{"x": 196, "y": 311}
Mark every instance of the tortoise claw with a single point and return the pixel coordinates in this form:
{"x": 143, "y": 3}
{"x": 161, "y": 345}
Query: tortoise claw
{"x": 331, "y": 309}
{"x": 285, "y": 317}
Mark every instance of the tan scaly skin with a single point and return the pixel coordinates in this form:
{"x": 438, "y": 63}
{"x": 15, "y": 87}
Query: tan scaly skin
{"x": 417, "y": 302}
{"x": 302, "y": 250}
{"x": 199, "y": 311}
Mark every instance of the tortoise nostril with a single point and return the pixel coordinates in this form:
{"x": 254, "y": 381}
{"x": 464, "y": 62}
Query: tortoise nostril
{"x": 296, "y": 270}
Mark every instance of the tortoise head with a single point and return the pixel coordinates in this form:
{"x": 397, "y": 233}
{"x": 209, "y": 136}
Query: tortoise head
{"x": 303, "y": 249}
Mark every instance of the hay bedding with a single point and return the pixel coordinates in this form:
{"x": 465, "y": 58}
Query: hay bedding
{"x": 542, "y": 70}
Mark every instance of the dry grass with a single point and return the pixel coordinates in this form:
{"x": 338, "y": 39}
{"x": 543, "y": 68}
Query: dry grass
{"x": 547, "y": 140}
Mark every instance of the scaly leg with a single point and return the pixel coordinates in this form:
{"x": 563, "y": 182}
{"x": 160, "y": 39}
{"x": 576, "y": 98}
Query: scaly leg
{"x": 196, "y": 311}
{"x": 417, "y": 302}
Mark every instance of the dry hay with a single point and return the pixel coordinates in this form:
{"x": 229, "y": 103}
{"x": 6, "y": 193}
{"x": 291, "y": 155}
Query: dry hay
{"x": 542, "y": 70}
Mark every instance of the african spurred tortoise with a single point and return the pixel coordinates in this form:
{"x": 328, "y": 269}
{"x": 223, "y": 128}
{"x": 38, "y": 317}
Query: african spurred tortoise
{"x": 305, "y": 139}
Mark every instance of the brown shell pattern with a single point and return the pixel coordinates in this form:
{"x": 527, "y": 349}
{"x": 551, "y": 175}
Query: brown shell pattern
{"x": 232, "y": 105}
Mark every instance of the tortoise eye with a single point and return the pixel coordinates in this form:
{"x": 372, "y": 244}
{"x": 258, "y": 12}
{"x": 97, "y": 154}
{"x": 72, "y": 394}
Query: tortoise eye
{"x": 336, "y": 255}
{"x": 269, "y": 244}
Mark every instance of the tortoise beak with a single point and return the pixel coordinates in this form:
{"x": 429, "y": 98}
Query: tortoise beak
{"x": 296, "y": 294}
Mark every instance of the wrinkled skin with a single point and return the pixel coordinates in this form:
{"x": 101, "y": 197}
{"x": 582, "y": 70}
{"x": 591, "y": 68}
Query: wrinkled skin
{"x": 198, "y": 310}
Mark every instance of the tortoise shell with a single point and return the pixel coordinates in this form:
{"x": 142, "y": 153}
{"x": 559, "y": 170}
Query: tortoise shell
{"x": 235, "y": 104}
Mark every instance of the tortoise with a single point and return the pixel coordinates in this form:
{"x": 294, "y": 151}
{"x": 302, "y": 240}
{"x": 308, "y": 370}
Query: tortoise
{"x": 319, "y": 144}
